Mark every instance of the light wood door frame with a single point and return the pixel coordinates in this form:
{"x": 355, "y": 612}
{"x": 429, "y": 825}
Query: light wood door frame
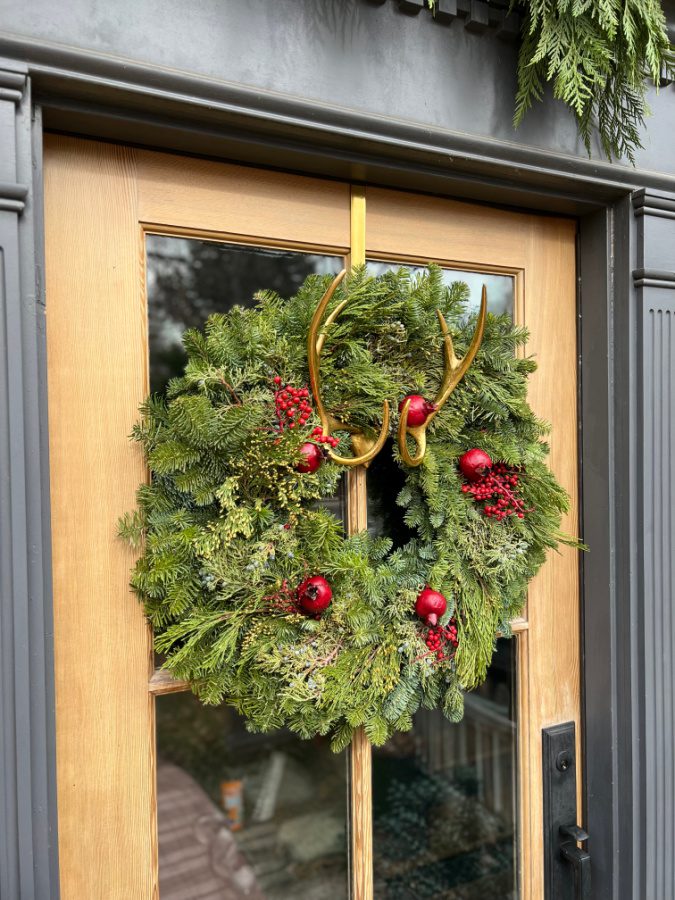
{"x": 100, "y": 202}
{"x": 540, "y": 253}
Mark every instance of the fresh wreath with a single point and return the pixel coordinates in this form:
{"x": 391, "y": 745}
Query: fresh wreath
{"x": 256, "y": 594}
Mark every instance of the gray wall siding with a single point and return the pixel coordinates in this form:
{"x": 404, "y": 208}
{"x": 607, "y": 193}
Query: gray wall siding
{"x": 655, "y": 615}
{"x": 345, "y": 54}
{"x": 658, "y": 347}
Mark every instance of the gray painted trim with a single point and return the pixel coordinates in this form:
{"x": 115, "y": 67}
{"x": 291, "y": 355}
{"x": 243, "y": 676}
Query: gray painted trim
{"x": 653, "y": 203}
{"x": 627, "y": 821}
{"x": 611, "y": 731}
{"x": 598, "y": 732}
{"x": 28, "y": 846}
{"x": 66, "y": 72}
{"x": 653, "y": 613}
{"x": 478, "y": 15}
{"x": 13, "y": 196}
{"x": 654, "y": 278}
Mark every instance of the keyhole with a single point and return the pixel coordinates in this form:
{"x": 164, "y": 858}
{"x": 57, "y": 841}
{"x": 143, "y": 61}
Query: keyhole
{"x": 563, "y": 761}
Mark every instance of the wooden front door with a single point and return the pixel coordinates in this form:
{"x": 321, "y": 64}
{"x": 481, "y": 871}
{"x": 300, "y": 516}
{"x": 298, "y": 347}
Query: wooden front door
{"x": 140, "y": 244}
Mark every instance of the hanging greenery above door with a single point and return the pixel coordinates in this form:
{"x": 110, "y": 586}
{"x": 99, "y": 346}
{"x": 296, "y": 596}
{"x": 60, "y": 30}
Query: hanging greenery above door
{"x": 599, "y": 56}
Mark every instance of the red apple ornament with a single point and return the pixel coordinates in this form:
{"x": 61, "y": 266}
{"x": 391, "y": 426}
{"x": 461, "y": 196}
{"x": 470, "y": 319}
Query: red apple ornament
{"x": 313, "y": 457}
{"x": 474, "y": 464}
{"x": 314, "y": 595}
{"x": 430, "y": 605}
{"x": 419, "y": 409}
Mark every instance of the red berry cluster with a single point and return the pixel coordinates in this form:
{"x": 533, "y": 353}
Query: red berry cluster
{"x": 292, "y": 405}
{"x": 321, "y": 438}
{"x": 497, "y": 490}
{"x": 438, "y": 638}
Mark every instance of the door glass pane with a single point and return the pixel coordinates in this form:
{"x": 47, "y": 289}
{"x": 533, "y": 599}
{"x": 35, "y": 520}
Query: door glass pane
{"x": 240, "y": 815}
{"x": 187, "y": 280}
{"x": 262, "y": 817}
{"x": 500, "y": 288}
{"x": 444, "y": 811}
{"x": 385, "y": 478}
{"x": 445, "y": 795}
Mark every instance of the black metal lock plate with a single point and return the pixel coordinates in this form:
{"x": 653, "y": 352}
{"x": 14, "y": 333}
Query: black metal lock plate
{"x": 560, "y": 812}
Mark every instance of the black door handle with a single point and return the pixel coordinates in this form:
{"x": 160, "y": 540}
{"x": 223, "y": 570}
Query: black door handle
{"x": 577, "y": 834}
{"x": 580, "y": 860}
{"x": 567, "y": 865}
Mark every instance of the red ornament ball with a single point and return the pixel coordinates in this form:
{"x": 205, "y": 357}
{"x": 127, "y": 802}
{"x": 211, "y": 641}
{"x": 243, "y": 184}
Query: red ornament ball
{"x": 419, "y": 409}
{"x": 314, "y": 595}
{"x": 313, "y": 457}
{"x": 474, "y": 464}
{"x": 430, "y": 605}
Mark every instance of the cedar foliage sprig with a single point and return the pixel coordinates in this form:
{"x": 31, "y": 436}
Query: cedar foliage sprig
{"x": 599, "y": 56}
{"x": 228, "y": 527}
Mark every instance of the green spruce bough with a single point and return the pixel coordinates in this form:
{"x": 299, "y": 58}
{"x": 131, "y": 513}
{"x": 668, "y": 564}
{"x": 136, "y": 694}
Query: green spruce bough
{"x": 228, "y": 527}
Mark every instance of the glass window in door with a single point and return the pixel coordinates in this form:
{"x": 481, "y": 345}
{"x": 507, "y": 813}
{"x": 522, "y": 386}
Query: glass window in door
{"x": 444, "y": 794}
{"x": 240, "y": 815}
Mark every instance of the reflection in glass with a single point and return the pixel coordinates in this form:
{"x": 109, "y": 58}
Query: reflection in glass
{"x": 385, "y": 480}
{"x": 500, "y": 288}
{"x": 445, "y": 799}
{"x": 261, "y": 817}
{"x": 187, "y": 280}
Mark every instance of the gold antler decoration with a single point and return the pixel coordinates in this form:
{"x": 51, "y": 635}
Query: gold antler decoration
{"x": 455, "y": 370}
{"x": 365, "y": 448}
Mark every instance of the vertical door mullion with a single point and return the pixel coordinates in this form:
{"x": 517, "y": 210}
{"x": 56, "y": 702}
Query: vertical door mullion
{"x": 361, "y": 811}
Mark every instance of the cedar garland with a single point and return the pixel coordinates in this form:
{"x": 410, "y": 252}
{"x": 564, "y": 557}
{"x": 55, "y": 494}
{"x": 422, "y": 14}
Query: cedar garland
{"x": 598, "y": 56}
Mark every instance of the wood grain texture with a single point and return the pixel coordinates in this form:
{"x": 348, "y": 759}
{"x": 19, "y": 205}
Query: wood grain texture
{"x": 361, "y": 805}
{"x": 362, "y": 816}
{"x": 540, "y": 252}
{"x": 96, "y": 340}
{"x": 361, "y": 781}
{"x": 421, "y": 228}
{"x": 187, "y": 193}
{"x": 100, "y": 200}
{"x": 553, "y": 601}
{"x": 163, "y": 682}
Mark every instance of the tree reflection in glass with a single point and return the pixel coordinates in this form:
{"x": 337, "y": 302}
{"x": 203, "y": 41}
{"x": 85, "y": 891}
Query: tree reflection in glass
{"x": 188, "y": 280}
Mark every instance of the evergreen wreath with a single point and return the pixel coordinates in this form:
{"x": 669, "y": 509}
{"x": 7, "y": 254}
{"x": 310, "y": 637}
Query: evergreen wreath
{"x": 256, "y": 595}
